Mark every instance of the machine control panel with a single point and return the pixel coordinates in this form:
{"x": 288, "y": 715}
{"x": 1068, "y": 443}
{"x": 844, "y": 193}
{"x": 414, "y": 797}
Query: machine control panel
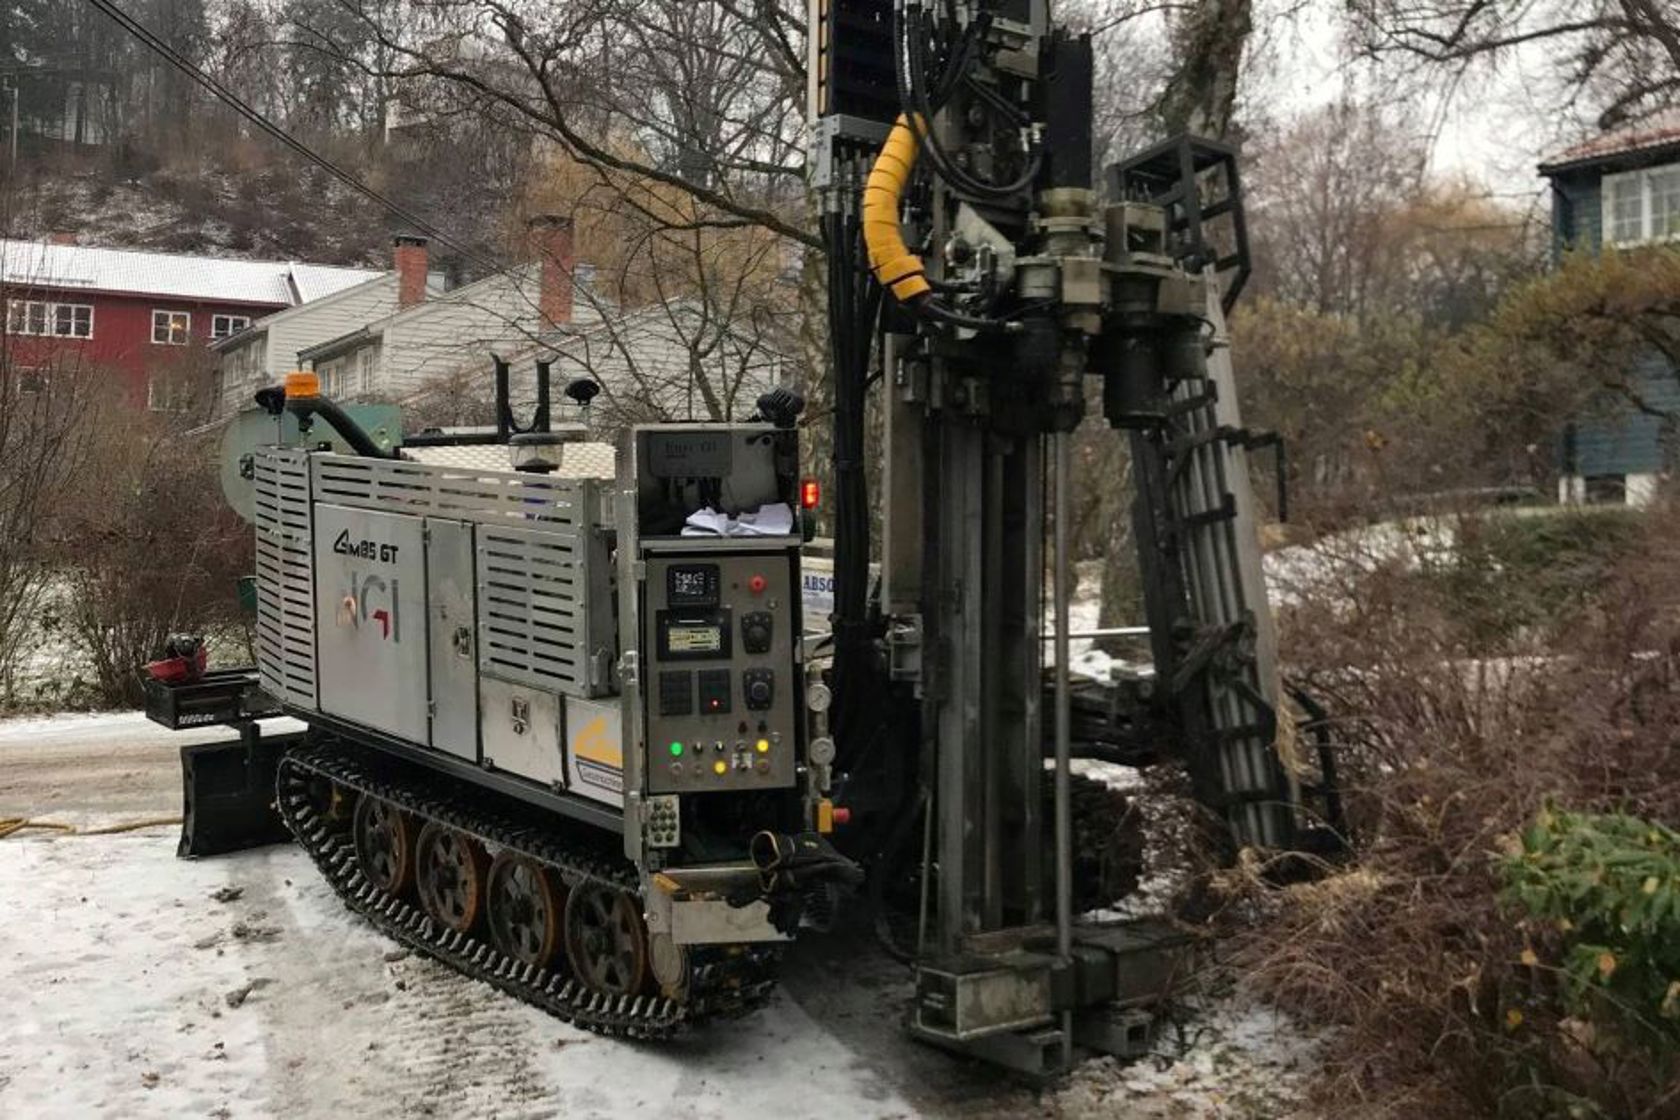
{"x": 720, "y": 636}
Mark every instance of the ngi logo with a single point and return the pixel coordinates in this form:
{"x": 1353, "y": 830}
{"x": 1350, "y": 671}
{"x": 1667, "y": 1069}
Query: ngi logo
{"x": 372, "y": 599}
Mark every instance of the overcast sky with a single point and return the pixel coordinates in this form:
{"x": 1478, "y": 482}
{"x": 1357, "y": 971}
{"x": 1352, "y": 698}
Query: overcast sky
{"x": 1492, "y": 124}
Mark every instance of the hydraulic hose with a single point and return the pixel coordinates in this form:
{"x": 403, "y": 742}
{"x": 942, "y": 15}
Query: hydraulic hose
{"x": 896, "y": 268}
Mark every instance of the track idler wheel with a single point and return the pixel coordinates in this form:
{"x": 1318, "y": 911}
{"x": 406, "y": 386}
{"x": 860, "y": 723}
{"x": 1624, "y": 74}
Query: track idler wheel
{"x": 384, "y": 838}
{"x": 525, "y": 909}
{"x": 606, "y": 939}
{"x": 451, "y": 872}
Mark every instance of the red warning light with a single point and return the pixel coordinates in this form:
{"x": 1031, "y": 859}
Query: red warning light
{"x": 757, "y": 584}
{"x": 810, "y": 493}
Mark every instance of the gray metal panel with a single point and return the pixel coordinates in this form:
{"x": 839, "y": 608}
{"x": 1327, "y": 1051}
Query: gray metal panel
{"x": 583, "y": 459}
{"x": 285, "y": 589}
{"x": 452, "y": 638}
{"x": 521, "y": 730}
{"x": 462, "y": 493}
{"x": 370, "y": 584}
{"x": 544, "y": 608}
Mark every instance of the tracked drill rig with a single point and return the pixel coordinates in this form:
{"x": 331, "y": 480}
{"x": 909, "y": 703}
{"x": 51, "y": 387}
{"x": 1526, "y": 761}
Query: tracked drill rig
{"x": 566, "y": 729}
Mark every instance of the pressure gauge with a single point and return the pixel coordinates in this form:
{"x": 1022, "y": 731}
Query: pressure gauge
{"x": 821, "y": 750}
{"x": 818, "y": 697}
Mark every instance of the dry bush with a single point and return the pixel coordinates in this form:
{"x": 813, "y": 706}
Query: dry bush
{"x": 1455, "y": 734}
{"x": 49, "y": 414}
{"x": 147, "y": 547}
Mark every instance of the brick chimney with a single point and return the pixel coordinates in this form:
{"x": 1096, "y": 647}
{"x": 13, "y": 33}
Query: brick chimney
{"x": 550, "y": 241}
{"x": 408, "y": 258}
{"x": 62, "y": 237}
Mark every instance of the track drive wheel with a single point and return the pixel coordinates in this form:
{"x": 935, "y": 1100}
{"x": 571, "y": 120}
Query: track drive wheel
{"x": 606, "y": 940}
{"x": 525, "y": 909}
{"x": 384, "y": 837}
{"x": 450, "y": 870}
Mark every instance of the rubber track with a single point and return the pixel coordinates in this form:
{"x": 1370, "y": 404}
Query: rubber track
{"x": 724, "y": 981}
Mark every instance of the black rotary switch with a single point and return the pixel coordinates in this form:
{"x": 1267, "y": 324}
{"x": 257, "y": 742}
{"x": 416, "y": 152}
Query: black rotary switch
{"x": 757, "y": 630}
{"x": 760, "y": 688}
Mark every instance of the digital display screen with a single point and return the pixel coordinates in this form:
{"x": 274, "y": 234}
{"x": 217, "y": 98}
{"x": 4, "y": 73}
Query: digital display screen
{"x": 692, "y": 585}
{"x": 681, "y": 639}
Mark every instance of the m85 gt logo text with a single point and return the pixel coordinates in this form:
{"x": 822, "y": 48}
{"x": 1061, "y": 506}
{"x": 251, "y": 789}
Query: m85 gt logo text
{"x": 364, "y": 549}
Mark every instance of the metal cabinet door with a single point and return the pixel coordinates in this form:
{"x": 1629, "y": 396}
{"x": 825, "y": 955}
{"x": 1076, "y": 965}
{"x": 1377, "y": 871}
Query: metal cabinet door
{"x": 370, "y": 630}
{"x": 453, "y": 637}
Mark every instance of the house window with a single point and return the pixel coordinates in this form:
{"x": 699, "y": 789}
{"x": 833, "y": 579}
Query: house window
{"x": 364, "y": 372}
{"x": 332, "y": 374}
{"x": 1664, "y": 186}
{"x": 1642, "y": 206}
{"x": 61, "y": 320}
{"x": 168, "y": 392}
{"x": 171, "y": 328}
{"x": 30, "y": 379}
{"x": 221, "y": 326}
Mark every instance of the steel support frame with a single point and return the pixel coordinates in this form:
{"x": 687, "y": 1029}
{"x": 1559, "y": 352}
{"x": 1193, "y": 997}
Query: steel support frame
{"x": 984, "y": 694}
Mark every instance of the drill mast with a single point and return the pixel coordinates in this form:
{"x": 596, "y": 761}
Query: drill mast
{"x": 980, "y": 273}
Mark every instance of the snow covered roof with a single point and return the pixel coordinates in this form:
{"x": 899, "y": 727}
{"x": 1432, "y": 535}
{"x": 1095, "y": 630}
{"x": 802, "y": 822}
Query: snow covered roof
{"x": 1660, "y": 131}
{"x": 85, "y": 268}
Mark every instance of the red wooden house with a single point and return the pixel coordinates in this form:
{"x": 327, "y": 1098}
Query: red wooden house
{"x": 144, "y": 318}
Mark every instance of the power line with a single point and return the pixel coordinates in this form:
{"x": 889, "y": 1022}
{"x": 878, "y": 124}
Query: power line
{"x": 168, "y": 53}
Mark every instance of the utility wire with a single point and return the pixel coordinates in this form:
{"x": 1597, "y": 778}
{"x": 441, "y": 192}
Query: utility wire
{"x": 170, "y": 55}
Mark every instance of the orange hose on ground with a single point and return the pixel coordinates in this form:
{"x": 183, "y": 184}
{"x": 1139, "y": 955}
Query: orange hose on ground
{"x": 890, "y": 259}
{"x": 11, "y": 826}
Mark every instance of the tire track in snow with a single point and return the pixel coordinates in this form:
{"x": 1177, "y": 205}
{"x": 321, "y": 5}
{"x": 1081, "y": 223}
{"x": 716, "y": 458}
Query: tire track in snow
{"x": 356, "y": 1025}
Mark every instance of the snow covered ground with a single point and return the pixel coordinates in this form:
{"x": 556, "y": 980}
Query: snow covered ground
{"x": 140, "y": 985}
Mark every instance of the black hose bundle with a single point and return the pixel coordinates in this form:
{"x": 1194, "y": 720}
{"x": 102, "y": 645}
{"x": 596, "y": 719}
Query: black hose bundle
{"x": 916, "y": 50}
{"x": 854, "y": 304}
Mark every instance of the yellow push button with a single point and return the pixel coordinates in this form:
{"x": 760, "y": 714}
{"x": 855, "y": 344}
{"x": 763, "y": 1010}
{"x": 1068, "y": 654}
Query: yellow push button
{"x": 763, "y": 746}
{"x": 720, "y": 767}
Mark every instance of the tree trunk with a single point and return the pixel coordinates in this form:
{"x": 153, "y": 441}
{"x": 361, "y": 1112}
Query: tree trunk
{"x": 1209, "y": 41}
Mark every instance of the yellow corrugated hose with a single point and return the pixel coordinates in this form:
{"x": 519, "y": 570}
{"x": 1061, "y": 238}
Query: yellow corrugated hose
{"x": 10, "y": 826}
{"x": 894, "y": 265}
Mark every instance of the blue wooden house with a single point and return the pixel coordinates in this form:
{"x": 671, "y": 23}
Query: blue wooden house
{"x": 1618, "y": 190}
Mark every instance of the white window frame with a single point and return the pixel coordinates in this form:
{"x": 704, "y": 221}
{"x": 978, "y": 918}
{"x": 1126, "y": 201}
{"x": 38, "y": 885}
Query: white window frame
{"x": 226, "y": 326}
{"x": 166, "y": 319}
{"x": 20, "y": 312}
{"x": 1611, "y": 186}
{"x": 176, "y": 393}
{"x": 331, "y": 373}
{"x": 364, "y": 372}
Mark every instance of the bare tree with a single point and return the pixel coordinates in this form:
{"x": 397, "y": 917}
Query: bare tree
{"x": 50, "y": 406}
{"x": 701, "y": 97}
{"x": 1325, "y": 193}
{"x": 1623, "y": 54}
